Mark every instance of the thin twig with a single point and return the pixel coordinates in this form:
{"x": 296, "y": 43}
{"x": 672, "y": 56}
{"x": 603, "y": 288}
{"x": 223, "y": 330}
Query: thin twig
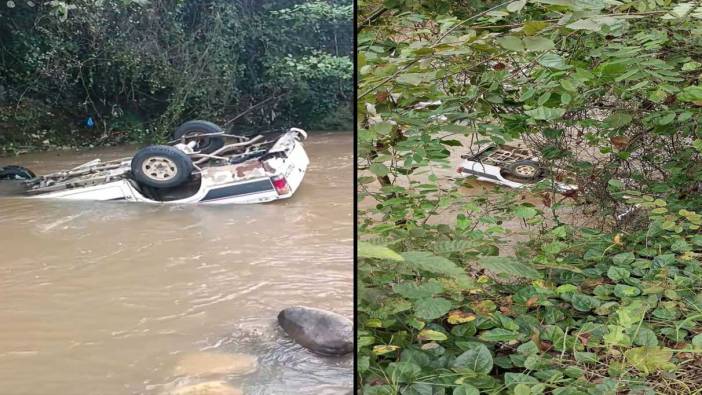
{"x": 437, "y": 41}
{"x": 254, "y": 107}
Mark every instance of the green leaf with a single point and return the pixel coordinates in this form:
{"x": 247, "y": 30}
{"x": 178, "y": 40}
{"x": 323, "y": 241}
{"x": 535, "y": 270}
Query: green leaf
{"x": 666, "y": 119}
{"x": 450, "y": 246}
{"x": 582, "y": 302}
{"x": 646, "y": 337}
{"x": 528, "y": 348}
{"x": 381, "y": 128}
{"x": 553, "y": 61}
{"x": 428, "y": 262}
{"x": 585, "y": 357}
{"x": 585, "y": 24}
{"x": 625, "y": 258}
{"x": 616, "y": 336}
{"x": 428, "y": 334}
{"x": 573, "y": 372}
{"x": 568, "y": 85}
{"x": 626, "y": 291}
{"x": 697, "y": 342}
{"x": 538, "y": 44}
{"x": 414, "y": 291}
{"x": 679, "y": 11}
{"x": 618, "y": 119}
{"x": 415, "y": 78}
{"x": 478, "y": 359}
{"x": 564, "y": 3}
{"x": 615, "y": 185}
{"x": 543, "y": 98}
{"x": 680, "y": 246}
{"x": 516, "y": 5}
{"x": 368, "y": 250}
{"x": 512, "y": 379}
{"x": 697, "y": 144}
{"x": 509, "y": 266}
{"x": 617, "y": 273}
{"x": 525, "y": 212}
{"x": 545, "y": 113}
{"x": 382, "y": 349}
{"x": 691, "y": 94}
{"x": 363, "y": 363}
{"x": 432, "y": 308}
{"x": 566, "y": 289}
{"x": 465, "y": 389}
{"x": 632, "y": 314}
{"x": 691, "y": 66}
{"x": 650, "y": 359}
{"x": 511, "y": 43}
{"x": 611, "y": 70}
{"x": 498, "y": 335}
{"x": 379, "y": 169}
{"x": 403, "y": 372}
{"x": 553, "y": 247}
{"x": 532, "y": 27}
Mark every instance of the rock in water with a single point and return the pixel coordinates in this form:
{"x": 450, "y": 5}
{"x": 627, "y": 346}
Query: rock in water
{"x": 321, "y": 331}
{"x": 207, "y": 388}
{"x": 203, "y": 364}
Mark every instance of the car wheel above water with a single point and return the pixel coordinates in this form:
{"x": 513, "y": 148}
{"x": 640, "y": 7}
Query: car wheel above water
{"x": 199, "y": 130}
{"x": 161, "y": 166}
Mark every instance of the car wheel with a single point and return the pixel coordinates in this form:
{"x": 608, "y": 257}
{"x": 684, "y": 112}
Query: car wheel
{"x": 205, "y": 145}
{"x": 161, "y": 166}
{"x": 525, "y": 169}
{"x": 15, "y": 173}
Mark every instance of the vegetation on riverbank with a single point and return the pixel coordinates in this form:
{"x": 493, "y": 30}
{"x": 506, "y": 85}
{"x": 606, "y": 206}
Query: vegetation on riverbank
{"x": 136, "y": 69}
{"x": 608, "y": 91}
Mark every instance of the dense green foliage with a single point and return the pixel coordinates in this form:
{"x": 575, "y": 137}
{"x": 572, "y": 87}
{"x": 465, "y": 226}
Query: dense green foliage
{"x": 606, "y": 91}
{"x": 140, "y": 67}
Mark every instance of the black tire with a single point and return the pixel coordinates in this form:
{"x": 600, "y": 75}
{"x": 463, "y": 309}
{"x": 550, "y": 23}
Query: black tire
{"x": 15, "y": 173}
{"x": 205, "y": 145}
{"x": 525, "y": 170}
{"x": 161, "y": 166}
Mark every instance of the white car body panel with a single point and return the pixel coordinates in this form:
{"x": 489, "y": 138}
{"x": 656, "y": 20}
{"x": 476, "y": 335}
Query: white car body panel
{"x": 487, "y": 173}
{"x": 493, "y": 173}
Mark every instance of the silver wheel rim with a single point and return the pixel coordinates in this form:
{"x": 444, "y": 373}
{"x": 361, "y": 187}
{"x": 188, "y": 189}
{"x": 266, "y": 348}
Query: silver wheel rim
{"x": 159, "y": 168}
{"x": 525, "y": 170}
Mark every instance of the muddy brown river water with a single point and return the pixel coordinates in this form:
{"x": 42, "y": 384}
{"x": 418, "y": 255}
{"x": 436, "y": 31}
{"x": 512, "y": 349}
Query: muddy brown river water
{"x": 107, "y": 297}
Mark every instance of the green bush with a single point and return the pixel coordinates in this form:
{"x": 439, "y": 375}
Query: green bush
{"x": 164, "y": 62}
{"x": 606, "y": 92}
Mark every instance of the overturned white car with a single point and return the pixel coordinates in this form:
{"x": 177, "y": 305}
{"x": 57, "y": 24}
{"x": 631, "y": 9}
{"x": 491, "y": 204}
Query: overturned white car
{"x": 509, "y": 165}
{"x": 202, "y": 164}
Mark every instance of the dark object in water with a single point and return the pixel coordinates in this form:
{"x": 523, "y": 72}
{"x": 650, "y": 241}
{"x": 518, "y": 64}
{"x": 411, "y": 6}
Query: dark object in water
{"x": 321, "y": 331}
{"x": 12, "y": 180}
{"x": 15, "y": 173}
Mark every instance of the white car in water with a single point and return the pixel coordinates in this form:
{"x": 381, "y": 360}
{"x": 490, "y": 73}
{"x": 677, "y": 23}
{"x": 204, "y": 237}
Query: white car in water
{"x": 508, "y": 165}
{"x": 202, "y": 164}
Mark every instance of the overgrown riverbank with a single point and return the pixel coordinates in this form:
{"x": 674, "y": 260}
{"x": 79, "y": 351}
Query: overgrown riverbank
{"x": 55, "y": 132}
{"x": 91, "y": 73}
{"x": 608, "y": 93}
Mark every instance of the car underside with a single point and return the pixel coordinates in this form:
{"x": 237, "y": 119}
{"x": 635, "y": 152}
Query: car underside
{"x": 202, "y": 164}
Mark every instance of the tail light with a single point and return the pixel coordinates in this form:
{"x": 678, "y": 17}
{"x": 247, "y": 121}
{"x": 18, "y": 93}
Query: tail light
{"x": 459, "y": 170}
{"x": 280, "y": 185}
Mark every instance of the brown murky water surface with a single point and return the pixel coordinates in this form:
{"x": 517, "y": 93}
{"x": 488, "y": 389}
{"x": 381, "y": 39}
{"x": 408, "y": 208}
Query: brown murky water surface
{"x": 107, "y": 298}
